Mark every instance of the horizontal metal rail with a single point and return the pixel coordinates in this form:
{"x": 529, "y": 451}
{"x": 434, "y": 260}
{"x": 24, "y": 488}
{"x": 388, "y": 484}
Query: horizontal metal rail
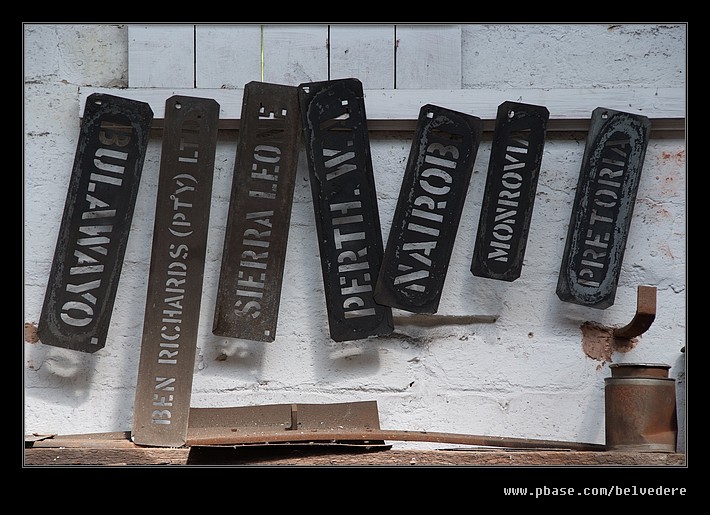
{"x": 226, "y": 436}
{"x": 398, "y": 109}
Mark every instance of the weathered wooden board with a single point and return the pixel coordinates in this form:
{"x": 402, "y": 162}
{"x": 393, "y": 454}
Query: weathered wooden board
{"x": 509, "y": 195}
{"x": 161, "y": 56}
{"x": 428, "y": 56}
{"x": 249, "y": 290}
{"x": 428, "y": 210}
{"x": 98, "y": 211}
{"x": 227, "y": 56}
{"x": 365, "y": 52}
{"x": 306, "y": 57}
{"x": 603, "y": 208}
{"x": 345, "y": 205}
{"x": 170, "y": 325}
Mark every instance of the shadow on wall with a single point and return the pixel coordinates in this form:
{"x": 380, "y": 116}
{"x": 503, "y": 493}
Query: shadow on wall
{"x": 67, "y": 373}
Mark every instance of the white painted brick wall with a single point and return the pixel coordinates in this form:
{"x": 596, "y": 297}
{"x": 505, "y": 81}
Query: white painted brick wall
{"x": 526, "y": 375}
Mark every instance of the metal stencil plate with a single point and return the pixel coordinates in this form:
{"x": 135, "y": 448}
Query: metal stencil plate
{"x": 345, "y": 205}
{"x": 428, "y": 210}
{"x": 172, "y": 312}
{"x": 96, "y": 222}
{"x": 509, "y": 195}
{"x": 603, "y": 208}
{"x": 249, "y": 291}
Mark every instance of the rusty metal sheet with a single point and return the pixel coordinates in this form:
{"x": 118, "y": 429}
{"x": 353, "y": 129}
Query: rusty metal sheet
{"x": 250, "y": 423}
{"x": 167, "y": 357}
{"x": 250, "y": 419}
{"x": 345, "y": 204}
{"x": 509, "y": 195}
{"x": 428, "y": 210}
{"x": 249, "y": 290}
{"x": 97, "y": 217}
{"x": 603, "y": 208}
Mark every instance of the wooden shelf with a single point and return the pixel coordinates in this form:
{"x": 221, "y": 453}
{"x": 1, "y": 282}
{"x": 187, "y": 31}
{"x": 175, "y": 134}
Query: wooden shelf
{"x": 116, "y": 449}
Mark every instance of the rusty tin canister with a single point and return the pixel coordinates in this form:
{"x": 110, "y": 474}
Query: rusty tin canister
{"x": 640, "y": 408}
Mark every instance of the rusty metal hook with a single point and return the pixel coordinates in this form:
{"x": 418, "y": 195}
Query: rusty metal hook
{"x": 645, "y": 314}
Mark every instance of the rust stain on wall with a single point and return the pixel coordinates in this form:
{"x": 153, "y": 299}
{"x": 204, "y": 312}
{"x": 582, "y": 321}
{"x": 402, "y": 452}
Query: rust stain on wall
{"x": 678, "y": 157}
{"x": 599, "y": 343}
{"x": 666, "y": 250}
{"x": 31, "y": 333}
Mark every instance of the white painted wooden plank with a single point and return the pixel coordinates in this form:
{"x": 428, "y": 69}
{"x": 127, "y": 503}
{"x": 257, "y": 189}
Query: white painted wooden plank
{"x": 227, "y": 56}
{"x": 365, "y": 52}
{"x": 428, "y": 56}
{"x": 563, "y": 104}
{"x": 398, "y": 109}
{"x": 295, "y": 53}
{"x": 161, "y": 56}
